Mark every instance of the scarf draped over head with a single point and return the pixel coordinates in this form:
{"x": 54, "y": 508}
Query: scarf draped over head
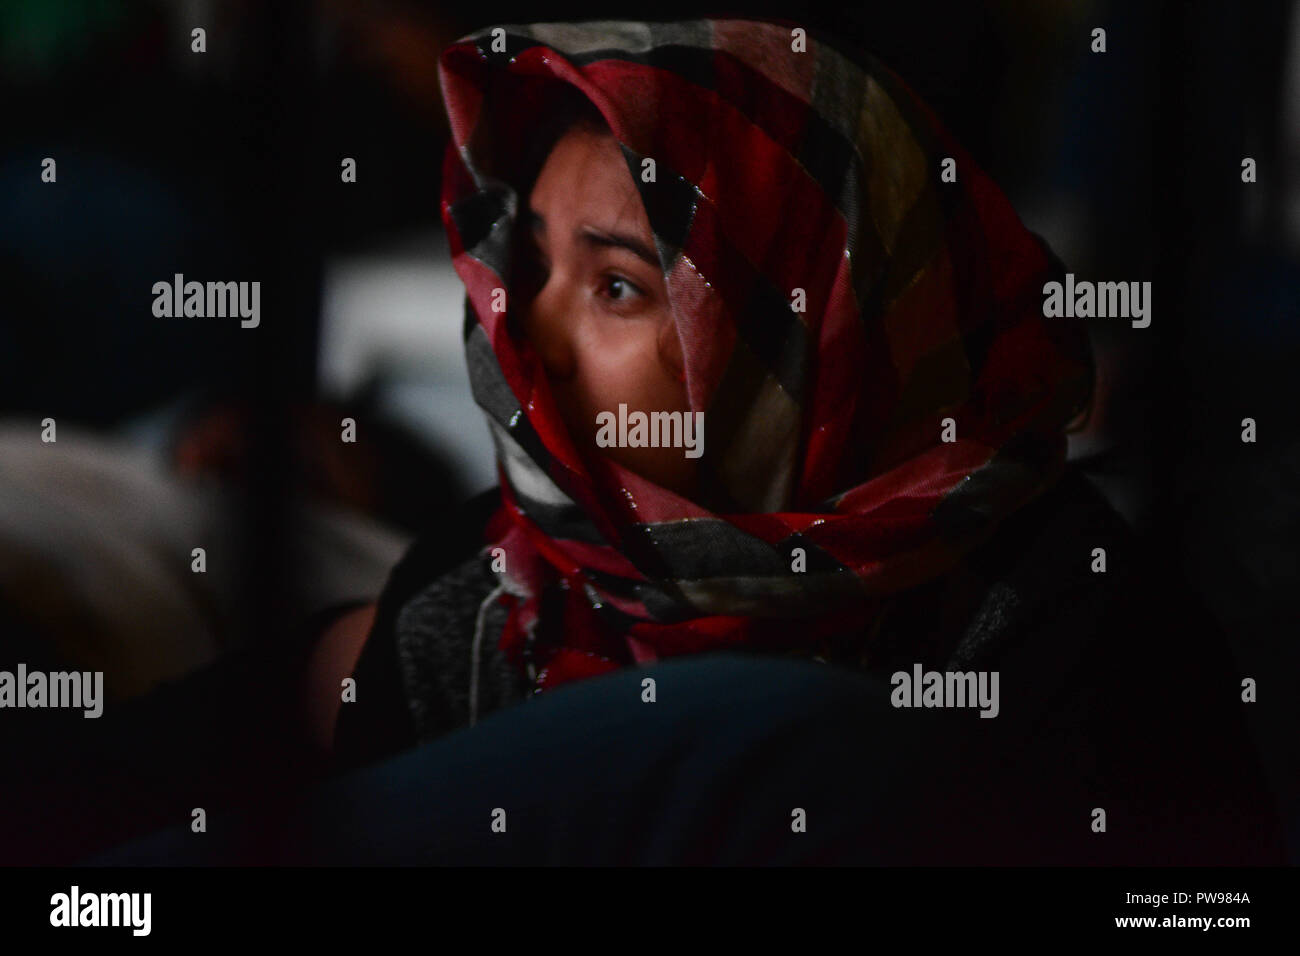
{"x": 864, "y": 336}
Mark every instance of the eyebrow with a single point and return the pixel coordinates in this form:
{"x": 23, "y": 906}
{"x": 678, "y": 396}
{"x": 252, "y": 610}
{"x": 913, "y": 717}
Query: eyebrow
{"x": 600, "y": 238}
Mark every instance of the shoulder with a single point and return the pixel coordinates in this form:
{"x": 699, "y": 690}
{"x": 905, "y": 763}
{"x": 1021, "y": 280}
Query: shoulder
{"x": 1026, "y": 578}
{"x": 431, "y": 663}
{"x": 1061, "y": 562}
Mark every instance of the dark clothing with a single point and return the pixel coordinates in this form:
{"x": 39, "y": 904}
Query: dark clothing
{"x": 743, "y": 760}
{"x": 1116, "y": 686}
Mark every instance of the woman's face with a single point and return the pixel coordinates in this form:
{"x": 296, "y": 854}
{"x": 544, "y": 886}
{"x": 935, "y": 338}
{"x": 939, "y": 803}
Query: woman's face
{"x": 596, "y": 308}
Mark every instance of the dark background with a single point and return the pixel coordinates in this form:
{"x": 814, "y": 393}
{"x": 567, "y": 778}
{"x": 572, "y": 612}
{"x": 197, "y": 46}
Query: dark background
{"x": 225, "y": 165}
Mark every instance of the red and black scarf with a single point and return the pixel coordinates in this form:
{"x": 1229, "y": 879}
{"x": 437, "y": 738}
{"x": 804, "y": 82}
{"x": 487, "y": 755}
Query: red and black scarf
{"x": 777, "y": 168}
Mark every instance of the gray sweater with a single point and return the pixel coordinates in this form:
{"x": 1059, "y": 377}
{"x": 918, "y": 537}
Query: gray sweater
{"x": 446, "y": 639}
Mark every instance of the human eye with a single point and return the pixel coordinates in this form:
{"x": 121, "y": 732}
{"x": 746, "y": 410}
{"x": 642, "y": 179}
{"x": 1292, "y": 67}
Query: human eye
{"x": 621, "y": 292}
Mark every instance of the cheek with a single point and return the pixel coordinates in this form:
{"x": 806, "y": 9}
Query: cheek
{"x": 621, "y": 363}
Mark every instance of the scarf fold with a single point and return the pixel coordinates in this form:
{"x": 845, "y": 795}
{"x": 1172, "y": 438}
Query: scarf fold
{"x": 779, "y": 171}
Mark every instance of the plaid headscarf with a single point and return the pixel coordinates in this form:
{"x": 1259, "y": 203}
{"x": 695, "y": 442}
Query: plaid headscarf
{"x": 776, "y": 170}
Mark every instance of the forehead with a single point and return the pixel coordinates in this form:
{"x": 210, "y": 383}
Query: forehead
{"x": 585, "y": 177}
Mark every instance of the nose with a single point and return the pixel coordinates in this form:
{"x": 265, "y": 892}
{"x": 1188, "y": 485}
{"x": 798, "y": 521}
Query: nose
{"x": 548, "y": 324}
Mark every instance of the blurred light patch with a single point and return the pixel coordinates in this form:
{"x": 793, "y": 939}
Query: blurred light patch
{"x": 391, "y": 323}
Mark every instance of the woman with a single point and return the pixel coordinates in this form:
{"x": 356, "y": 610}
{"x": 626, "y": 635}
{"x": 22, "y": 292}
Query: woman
{"x": 736, "y": 221}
